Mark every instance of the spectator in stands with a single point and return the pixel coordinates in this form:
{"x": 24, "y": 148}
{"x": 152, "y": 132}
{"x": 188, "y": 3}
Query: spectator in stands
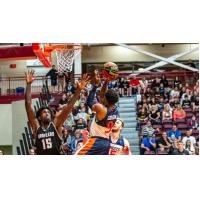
{"x": 126, "y": 87}
{"x": 61, "y": 81}
{"x": 147, "y": 129}
{"x": 164, "y": 143}
{"x": 189, "y": 147}
{"x": 174, "y": 101}
{"x": 164, "y": 81}
{"x": 81, "y": 124}
{"x": 142, "y": 115}
{"x": 162, "y": 90}
{"x": 143, "y": 85}
{"x": 134, "y": 84}
{"x": 179, "y": 113}
{"x": 189, "y": 137}
{"x": 183, "y": 91}
{"x": 53, "y": 76}
{"x": 174, "y": 147}
{"x": 186, "y": 103}
{"x": 82, "y": 114}
{"x": 121, "y": 80}
{"x": 148, "y": 144}
{"x": 174, "y": 92}
{"x": 155, "y": 83}
{"x": 177, "y": 82}
{"x": 154, "y": 115}
{"x": 181, "y": 150}
{"x": 69, "y": 121}
{"x": 193, "y": 122}
{"x": 63, "y": 101}
{"x": 161, "y": 104}
{"x": 167, "y": 113}
{"x": 195, "y": 104}
{"x": 174, "y": 134}
{"x": 74, "y": 140}
{"x": 70, "y": 88}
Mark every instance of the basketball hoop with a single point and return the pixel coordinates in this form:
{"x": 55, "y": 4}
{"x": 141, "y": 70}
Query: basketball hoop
{"x": 65, "y": 55}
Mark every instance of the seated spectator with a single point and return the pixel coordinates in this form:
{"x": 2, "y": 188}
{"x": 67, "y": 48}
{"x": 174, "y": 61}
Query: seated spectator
{"x": 181, "y": 150}
{"x": 144, "y": 85}
{"x": 187, "y": 93}
{"x": 164, "y": 143}
{"x": 179, "y": 113}
{"x": 69, "y": 121}
{"x": 164, "y": 81}
{"x": 142, "y": 115}
{"x": 177, "y": 82}
{"x": 195, "y": 104}
{"x": 174, "y": 101}
{"x": 189, "y": 147}
{"x": 155, "y": 83}
{"x": 161, "y": 104}
{"x": 80, "y": 124}
{"x": 154, "y": 115}
{"x": 157, "y": 93}
{"x": 186, "y": 103}
{"x": 62, "y": 101}
{"x": 174, "y": 147}
{"x": 183, "y": 91}
{"x": 148, "y": 143}
{"x": 74, "y": 140}
{"x": 82, "y": 115}
{"x": 193, "y": 122}
{"x": 134, "y": 84}
{"x": 147, "y": 129}
{"x": 1, "y": 152}
{"x": 174, "y": 92}
{"x": 174, "y": 134}
{"x": 167, "y": 113}
{"x": 189, "y": 137}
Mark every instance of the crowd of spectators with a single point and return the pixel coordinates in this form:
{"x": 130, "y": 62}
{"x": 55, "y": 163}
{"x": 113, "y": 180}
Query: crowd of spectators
{"x": 168, "y": 117}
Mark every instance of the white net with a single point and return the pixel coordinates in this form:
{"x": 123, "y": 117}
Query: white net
{"x": 65, "y": 59}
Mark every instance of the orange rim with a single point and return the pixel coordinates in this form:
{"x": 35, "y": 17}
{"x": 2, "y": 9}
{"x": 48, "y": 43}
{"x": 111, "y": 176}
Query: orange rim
{"x": 62, "y": 47}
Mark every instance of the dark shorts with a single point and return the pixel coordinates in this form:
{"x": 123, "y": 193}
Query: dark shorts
{"x": 95, "y": 146}
{"x": 53, "y": 82}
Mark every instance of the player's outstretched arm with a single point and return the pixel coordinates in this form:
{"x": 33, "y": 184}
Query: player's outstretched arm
{"x": 60, "y": 119}
{"x": 28, "y": 102}
{"x": 103, "y": 91}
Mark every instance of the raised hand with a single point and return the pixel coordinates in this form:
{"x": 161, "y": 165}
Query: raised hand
{"x": 96, "y": 77}
{"x": 29, "y": 76}
{"x": 83, "y": 82}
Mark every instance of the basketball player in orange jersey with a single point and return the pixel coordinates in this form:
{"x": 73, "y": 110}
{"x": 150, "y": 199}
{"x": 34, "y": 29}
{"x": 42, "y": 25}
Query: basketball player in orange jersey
{"x": 118, "y": 144}
{"x": 47, "y": 130}
{"x": 105, "y": 118}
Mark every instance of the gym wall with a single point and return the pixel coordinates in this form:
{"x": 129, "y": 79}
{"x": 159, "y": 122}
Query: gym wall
{"x": 5, "y": 124}
{"x": 95, "y": 54}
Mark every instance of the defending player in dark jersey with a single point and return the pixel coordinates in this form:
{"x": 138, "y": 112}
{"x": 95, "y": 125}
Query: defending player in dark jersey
{"x": 118, "y": 144}
{"x": 47, "y": 130}
{"x": 104, "y": 120}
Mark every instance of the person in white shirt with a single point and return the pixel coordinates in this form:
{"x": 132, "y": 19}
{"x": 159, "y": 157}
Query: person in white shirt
{"x": 189, "y": 137}
{"x": 174, "y": 92}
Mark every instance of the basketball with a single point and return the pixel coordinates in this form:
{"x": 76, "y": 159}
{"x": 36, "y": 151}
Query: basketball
{"x": 110, "y": 71}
